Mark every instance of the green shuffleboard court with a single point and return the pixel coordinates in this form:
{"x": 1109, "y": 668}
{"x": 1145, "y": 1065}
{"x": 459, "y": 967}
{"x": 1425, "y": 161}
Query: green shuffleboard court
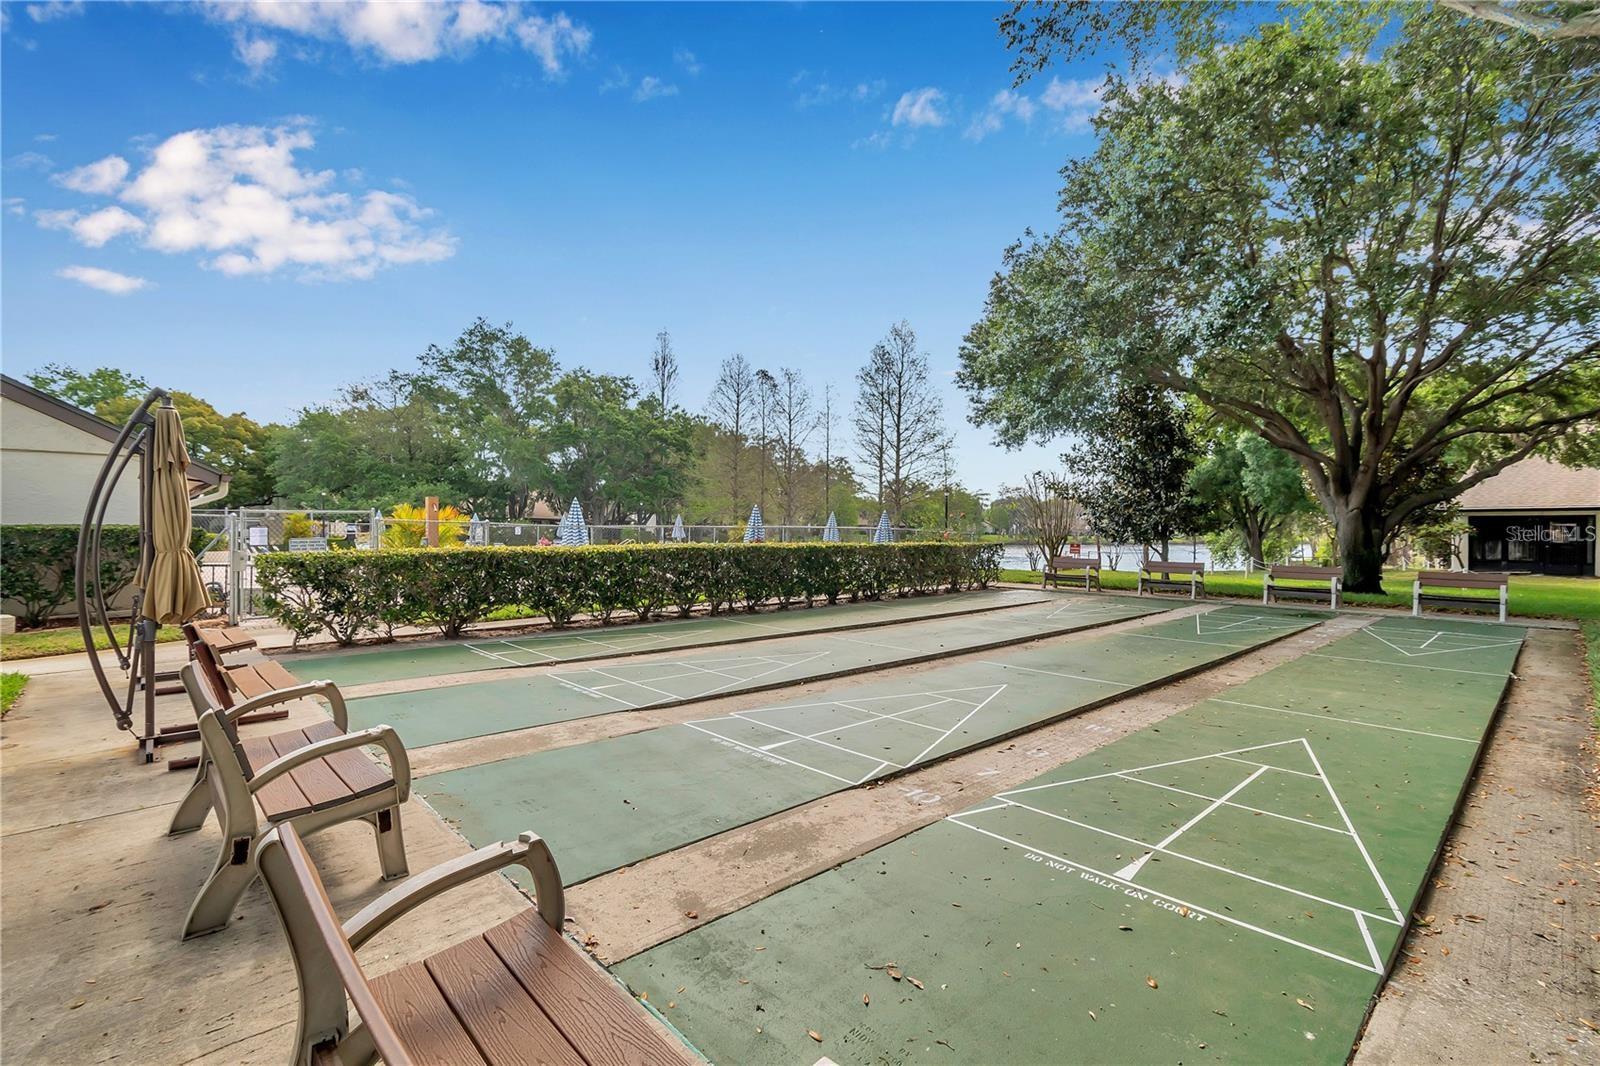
{"x": 497, "y": 704}
{"x": 1230, "y": 884}
{"x": 613, "y": 802}
{"x": 414, "y": 659}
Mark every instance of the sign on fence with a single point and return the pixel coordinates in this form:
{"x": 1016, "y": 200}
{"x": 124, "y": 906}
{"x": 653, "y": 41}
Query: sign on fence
{"x": 308, "y": 544}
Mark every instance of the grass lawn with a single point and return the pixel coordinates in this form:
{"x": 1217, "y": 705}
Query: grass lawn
{"x": 11, "y": 686}
{"x": 1591, "y": 640}
{"x": 32, "y": 643}
{"x": 1531, "y": 597}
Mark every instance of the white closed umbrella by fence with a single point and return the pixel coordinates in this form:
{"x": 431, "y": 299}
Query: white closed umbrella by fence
{"x": 882, "y": 535}
{"x": 755, "y": 530}
{"x": 678, "y": 532}
{"x": 830, "y": 532}
{"x": 573, "y": 531}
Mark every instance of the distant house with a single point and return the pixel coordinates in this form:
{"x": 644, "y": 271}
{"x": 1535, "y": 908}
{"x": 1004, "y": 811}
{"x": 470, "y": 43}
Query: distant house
{"x": 50, "y": 454}
{"x": 1534, "y": 516}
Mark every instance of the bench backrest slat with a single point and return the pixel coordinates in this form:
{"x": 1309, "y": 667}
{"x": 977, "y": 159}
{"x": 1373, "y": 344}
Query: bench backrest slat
{"x": 1451, "y": 579}
{"x": 1156, "y": 566}
{"x": 1305, "y": 573}
{"x": 1074, "y": 562}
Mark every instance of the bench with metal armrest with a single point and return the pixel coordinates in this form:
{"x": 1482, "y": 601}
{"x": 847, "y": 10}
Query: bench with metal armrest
{"x": 1327, "y": 584}
{"x": 1447, "y": 588}
{"x": 1073, "y": 570}
{"x": 518, "y": 993}
{"x": 1157, "y": 576}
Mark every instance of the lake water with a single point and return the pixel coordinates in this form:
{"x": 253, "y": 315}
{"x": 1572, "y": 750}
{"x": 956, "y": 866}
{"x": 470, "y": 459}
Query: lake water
{"x": 1122, "y": 557}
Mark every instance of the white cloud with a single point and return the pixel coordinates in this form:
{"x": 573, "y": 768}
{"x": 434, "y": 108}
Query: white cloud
{"x": 95, "y": 228}
{"x": 817, "y": 91}
{"x": 411, "y": 32}
{"x": 236, "y": 197}
{"x": 920, "y": 107}
{"x": 104, "y": 280}
{"x": 16, "y": 205}
{"x": 1076, "y": 100}
{"x": 55, "y": 9}
{"x": 687, "y": 61}
{"x": 651, "y": 87}
{"x": 256, "y": 52}
{"x": 30, "y": 161}
{"x": 100, "y": 178}
{"x": 1004, "y": 104}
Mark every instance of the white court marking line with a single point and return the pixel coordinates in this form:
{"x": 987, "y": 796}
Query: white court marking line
{"x": 958, "y": 725}
{"x": 1053, "y": 673}
{"x": 1408, "y": 666}
{"x": 1321, "y": 775}
{"x": 596, "y": 692}
{"x": 1269, "y": 766}
{"x": 490, "y": 655}
{"x": 946, "y": 693}
{"x": 870, "y": 643}
{"x": 766, "y": 754}
{"x": 876, "y": 718}
{"x": 1436, "y": 651}
{"x": 1189, "y": 640}
{"x": 1230, "y": 803}
{"x": 1130, "y": 871}
{"x": 1229, "y": 919}
{"x": 1346, "y": 721}
{"x": 1208, "y": 865}
{"x": 823, "y": 743}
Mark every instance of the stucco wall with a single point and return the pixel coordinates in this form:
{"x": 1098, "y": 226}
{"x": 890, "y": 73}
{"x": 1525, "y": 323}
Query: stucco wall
{"x": 47, "y": 468}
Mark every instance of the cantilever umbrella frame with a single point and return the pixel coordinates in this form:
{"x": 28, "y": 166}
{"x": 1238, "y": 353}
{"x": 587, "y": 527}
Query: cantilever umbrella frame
{"x": 136, "y": 658}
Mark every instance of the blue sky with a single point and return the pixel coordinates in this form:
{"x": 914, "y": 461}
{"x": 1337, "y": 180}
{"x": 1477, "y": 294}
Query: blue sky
{"x": 261, "y": 204}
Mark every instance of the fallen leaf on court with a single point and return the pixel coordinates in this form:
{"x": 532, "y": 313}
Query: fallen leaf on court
{"x": 916, "y": 982}
{"x": 691, "y": 914}
{"x": 1513, "y": 880}
{"x": 946, "y": 1043}
{"x": 681, "y": 988}
{"x": 1559, "y": 902}
{"x": 893, "y": 971}
{"x": 75, "y": 1004}
{"x": 1588, "y": 1024}
{"x": 102, "y": 905}
{"x": 671, "y": 1003}
{"x": 1183, "y": 912}
{"x": 1444, "y": 951}
{"x": 744, "y": 980}
{"x": 1304, "y": 1004}
{"x": 1092, "y": 1017}
{"x": 813, "y": 1034}
{"x": 761, "y": 947}
{"x": 1151, "y": 981}
{"x": 1219, "y": 1013}
{"x": 1126, "y": 928}
{"x": 866, "y": 999}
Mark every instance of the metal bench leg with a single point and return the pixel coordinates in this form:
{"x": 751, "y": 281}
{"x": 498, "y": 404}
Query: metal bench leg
{"x": 191, "y": 813}
{"x": 391, "y": 843}
{"x": 1416, "y": 599}
{"x": 1502, "y": 603}
{"x": 220, "y": 894}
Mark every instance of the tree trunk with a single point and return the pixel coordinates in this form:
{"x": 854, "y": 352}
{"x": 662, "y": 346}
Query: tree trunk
{"x": 1360, "y": 537}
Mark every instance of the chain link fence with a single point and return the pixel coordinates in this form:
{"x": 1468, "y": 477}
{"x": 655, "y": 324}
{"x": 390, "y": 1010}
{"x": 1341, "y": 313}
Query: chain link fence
{"x": 239, "y": 536}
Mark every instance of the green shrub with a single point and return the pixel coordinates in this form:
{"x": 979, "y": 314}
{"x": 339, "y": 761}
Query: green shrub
{"x": 347, "y": 594}
{"x": 38, "y": 565}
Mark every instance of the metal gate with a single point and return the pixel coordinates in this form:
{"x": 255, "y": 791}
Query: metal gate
{"x": 239, "y": 536}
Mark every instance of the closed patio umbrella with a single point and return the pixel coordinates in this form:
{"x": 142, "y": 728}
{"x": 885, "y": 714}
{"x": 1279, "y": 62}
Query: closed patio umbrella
{"x": 755, "y": 530}
{"x": 173, "y": 589}
{"x": 678, "y": 532}
{"x": 882, "y": 534}
{"x": 573, "y": 530}
{"x": 830, "y": 532}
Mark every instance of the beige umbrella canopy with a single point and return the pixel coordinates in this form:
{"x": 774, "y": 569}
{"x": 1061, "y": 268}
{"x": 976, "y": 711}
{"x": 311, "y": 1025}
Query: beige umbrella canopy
{"x": 173, "y": 589}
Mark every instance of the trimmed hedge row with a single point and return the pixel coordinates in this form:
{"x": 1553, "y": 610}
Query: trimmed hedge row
{"x": 351, "y": 593}
{"x": 38, "y": 565}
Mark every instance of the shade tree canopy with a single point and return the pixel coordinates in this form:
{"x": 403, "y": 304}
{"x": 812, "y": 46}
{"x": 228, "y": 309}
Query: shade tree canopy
{"x": 1366, "y": 234}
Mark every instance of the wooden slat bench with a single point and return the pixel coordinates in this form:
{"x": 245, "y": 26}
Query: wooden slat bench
{"x": 1157, "y": 576}
{"x": 1328, "y": 587}
{"x": 249, "y": 680}
{"x": 1073, "y": 569}
{"x": 519, "y": 993}
{"x": 312, "y": 777}
{"x": 1457, "y": 583}
{"x": 221, "y": 639}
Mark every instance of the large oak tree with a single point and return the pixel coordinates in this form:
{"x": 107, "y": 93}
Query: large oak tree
{"x": 1369, "y": 235}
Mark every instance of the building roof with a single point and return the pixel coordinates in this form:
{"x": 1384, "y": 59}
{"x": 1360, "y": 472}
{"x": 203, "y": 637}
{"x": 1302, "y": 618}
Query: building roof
{"x": 1535, "y": 485}
{"x": 203, "y": 477}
